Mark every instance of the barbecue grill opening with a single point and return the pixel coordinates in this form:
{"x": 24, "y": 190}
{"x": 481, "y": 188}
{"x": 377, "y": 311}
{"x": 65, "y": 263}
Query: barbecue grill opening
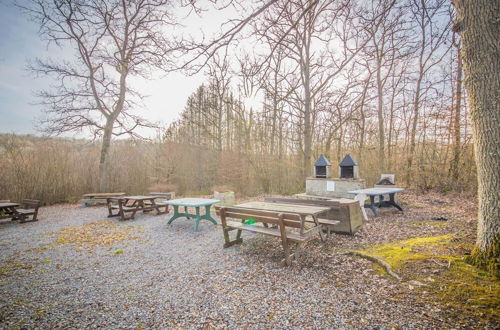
{"x": 348, "y": 168}
{"x": 322, "y": 167}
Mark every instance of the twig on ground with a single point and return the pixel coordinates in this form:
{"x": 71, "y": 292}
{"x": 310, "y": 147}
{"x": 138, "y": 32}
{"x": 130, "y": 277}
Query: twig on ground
{"x": 382, "y": 263}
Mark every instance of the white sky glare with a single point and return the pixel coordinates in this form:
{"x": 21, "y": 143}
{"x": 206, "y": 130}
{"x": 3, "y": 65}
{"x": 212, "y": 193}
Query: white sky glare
{"x": 20, "y": 42}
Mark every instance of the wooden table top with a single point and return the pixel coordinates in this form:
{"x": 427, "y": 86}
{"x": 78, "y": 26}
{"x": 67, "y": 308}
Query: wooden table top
{"x": 193, "y": 202}
{"x": 139, "y": 198}
{"x": 103, "y": 194}
{"x": 285, "y": 207}
{"x": 376, "y": 191}
{"x": 2, "y": 205}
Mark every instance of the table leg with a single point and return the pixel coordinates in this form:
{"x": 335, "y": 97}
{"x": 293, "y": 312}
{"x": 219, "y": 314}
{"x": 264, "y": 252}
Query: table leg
{"x": 176, "y": 214}
{"x": 373, "y": 206}
{"x": 197, "y": 219}
{"x": 393, "y": 203}
{"x": 205, "y": 216}
{"x": 15, "y": 215}
{"x": 321, "y": 234}
{"x": 208, "y": 216}
{"x": 381, "y": 200}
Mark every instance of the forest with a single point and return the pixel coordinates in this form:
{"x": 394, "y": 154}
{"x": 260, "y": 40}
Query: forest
{"x": 381, "y": 81}
{"x": 256, "y": 200}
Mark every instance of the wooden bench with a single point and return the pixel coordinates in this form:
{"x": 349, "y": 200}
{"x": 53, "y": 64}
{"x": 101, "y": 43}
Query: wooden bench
{"x": 139, "y": 203}
{"x": 163, "y": 197}
{"x": 97, "y": 198}
{"x": 29, "y": 207}
{"x": 4, "y": 214}
{"x": 270, "y": 223}
{"x": 346, "y": 213}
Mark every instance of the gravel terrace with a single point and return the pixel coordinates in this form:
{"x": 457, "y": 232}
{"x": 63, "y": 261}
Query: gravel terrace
{"x": 168, "y": 276}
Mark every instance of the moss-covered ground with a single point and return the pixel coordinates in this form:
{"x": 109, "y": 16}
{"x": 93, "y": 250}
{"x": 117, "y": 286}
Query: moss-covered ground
{"x": 434, "y": 266}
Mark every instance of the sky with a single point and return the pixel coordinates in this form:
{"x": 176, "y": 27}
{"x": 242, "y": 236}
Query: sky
{"x": 19, "y": 42}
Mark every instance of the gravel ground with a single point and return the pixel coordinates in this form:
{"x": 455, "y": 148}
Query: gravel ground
{"x": 171, "y": 277}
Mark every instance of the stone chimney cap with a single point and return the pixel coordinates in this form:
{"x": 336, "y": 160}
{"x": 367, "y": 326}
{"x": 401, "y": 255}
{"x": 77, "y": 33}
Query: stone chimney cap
{"x": 322, "y": 161}
{"x": 348, "y": 161}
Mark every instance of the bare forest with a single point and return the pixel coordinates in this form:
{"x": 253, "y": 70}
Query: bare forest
{"x": 283, "y": 164}
{"x": 380, "y": 80}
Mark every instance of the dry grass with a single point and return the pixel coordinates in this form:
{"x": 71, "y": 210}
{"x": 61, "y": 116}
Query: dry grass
{"x": 99, "y": 233}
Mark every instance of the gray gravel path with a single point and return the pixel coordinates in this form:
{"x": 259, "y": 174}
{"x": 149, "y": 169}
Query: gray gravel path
{"x": 171, "y": 277}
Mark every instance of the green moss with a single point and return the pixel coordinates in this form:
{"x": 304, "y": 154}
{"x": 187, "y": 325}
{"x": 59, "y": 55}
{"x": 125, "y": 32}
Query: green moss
{"x": 466, "y": 287}
{"x": 488, "y": 260}
{"x": 460, "y": 285}
{"x": 435, "y": 224}
{"x": 399, "y": 253}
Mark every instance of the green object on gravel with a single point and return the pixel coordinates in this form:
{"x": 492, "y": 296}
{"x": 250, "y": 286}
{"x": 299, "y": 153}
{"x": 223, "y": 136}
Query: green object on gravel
{"x": 250, "y": 221}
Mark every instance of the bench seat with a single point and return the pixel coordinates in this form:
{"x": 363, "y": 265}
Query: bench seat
{"x": 29, "y": 208}
{"x": 26, "y": 211}
{"x": 290, "y": 227}
{"x": 267, "y": 231}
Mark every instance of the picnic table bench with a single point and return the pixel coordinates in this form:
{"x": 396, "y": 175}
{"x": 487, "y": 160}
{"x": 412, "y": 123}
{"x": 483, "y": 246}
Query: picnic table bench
{"x": 291, "y": 222}
{"x": 380, "y": 192}
{"x": 97, "y": 198}
{"x": 133, "y": 204}
{"x": 29, "y": 207}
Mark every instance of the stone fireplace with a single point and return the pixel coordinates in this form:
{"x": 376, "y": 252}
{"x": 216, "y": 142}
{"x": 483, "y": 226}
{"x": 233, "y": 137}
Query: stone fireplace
{"x": 322, "y": 185}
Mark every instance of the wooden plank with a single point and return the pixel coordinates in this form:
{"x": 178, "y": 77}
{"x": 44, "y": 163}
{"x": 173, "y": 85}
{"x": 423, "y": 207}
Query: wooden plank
{"x": 376, "y": 191}
{"x": 291, "y": 220}
{"x": 327, "y": 222}
{"x": 2, "y": 205}
{"x": 259, "y": 218}
{"x": 103, "y": 195}
{"x": 333, "y": 204}
{"x": 267, "y": 231}
{"x": 285, "y": 207}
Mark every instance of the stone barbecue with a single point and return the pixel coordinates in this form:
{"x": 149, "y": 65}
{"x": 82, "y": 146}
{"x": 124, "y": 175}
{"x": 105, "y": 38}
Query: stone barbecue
{"x": 322, "y": 185}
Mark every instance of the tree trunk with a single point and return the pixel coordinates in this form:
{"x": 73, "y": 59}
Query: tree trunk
{"x": 413, "y": 134}
{"x": 477, "y": 24}
{"x": 307, "y": 116}
{"x": 380, "y": 115}
{"x": 456, "y": 121}
{"x": 104, "y": 160}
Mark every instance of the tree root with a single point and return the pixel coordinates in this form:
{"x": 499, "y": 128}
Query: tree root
{"x": 382, "y": 263}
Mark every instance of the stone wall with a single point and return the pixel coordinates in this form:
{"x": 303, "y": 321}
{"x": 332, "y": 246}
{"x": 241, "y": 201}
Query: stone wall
{"x": 320, "y": 187}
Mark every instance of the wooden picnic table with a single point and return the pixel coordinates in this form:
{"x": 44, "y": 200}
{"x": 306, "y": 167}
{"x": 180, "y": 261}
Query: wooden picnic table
{"x": 197, "y": 203}
{"x": 133, "y": 204}
{"x": 98, "y": 198}
{"x": 307, "y": 213}
{"x": 10, "y": 209}
{"x": 380, "y": 192}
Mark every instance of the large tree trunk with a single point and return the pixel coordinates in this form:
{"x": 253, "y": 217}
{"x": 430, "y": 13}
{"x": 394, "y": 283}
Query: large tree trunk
{"x": 478, "y": 25}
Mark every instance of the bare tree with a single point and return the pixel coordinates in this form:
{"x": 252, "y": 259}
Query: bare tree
{"x": 432, "y": 35}
{"x": 388, "y": 44}
{"x": 311, "y": 33}
{"x": 112, "y": 41}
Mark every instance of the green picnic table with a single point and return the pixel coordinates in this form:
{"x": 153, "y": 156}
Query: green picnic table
{"x": 196, "y": 203}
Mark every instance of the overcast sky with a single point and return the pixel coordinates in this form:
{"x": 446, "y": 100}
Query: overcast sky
{"x": 19, "y": 42}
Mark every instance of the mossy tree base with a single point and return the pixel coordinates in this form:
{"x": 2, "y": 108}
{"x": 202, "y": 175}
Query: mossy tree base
{"x": 488, "y": 260}
{"x": 447, "y": 278}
